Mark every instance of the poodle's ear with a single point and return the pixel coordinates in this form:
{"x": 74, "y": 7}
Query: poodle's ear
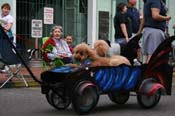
{"x": 101, "y": 48}
{"x": 91, "y": 53}
{"x": 74, "y": 50}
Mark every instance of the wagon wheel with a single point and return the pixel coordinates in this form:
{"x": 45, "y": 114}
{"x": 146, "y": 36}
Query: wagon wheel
{"x": 58, "y": 100}
{"x": 85, "y": 100}
{"x": 119, "y": 97}
{"x": 149, "y": 101}
{"x": 48, "y": 97}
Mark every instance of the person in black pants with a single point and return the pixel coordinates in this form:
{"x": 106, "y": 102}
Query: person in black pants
{"x": 122, "y": 25}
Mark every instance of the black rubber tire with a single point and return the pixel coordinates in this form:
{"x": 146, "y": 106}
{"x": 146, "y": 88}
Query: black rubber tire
{"x": 119, "y": 97}
{"x": 48, "y": 97}
{"x": 85, "y": 101}
{"x": 56, "y": 101}
{"x": 59, "y": 100}
{"x": 148, "y": 101}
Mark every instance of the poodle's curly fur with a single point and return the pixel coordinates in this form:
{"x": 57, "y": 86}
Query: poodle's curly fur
{"x": 101, "y": 47}
{"x": 83, "y": 51}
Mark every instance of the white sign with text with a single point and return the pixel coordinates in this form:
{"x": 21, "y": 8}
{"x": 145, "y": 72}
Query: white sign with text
{"x": 36, "y": 28}
{"x": 48, "y": 15}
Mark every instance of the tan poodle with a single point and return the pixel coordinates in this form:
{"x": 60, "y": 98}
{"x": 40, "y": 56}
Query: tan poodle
{"x": 82, "y": 52}
{"x": 101, "y": 47}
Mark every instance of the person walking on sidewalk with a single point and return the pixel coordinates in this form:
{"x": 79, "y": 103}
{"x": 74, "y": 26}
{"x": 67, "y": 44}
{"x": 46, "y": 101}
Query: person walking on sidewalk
{"x": 6, "y": 22}
{"x": 155, "y": 18}
{"x": 7, "y": 19}
{"x": 136, "y": 17}
{"x": 122, "y": 25}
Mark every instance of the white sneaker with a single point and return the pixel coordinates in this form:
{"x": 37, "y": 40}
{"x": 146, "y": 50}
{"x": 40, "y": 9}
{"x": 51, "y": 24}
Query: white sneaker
{"x": 6, "y": 68}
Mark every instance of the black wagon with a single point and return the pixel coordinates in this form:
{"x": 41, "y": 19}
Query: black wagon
{"x": 83, "y": 86}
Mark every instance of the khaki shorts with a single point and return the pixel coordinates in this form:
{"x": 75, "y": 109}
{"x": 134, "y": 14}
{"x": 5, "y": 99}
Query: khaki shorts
{"x": 151, "y": 39}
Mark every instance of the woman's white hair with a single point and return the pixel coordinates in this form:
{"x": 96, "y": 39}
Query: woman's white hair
{"x": 56, "y": 27}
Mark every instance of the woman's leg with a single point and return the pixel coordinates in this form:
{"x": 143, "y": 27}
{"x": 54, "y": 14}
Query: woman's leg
{"x": 148, "y": 57}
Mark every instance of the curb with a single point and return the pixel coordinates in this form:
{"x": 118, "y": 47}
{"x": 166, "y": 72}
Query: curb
{"x": 18, "y": 84}
{"x": 21, "y": 84}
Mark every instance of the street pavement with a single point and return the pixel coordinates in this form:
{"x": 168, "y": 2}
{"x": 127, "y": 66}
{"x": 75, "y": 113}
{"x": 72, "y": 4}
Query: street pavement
{"x": 30, "y": 102}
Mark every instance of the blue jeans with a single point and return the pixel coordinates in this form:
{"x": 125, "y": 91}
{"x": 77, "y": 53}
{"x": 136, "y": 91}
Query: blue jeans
{"x": 122, "y": 42}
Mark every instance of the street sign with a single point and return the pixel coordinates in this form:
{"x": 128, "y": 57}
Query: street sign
{"x": 36, "y": 28}
{"x": 48, "y": 15}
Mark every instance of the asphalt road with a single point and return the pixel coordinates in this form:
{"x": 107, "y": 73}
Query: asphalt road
{"x": 30, "y": 102}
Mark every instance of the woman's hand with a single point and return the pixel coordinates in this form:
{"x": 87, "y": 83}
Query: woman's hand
{"x": 63, "y": 55}
{"x": 127, "y": 39}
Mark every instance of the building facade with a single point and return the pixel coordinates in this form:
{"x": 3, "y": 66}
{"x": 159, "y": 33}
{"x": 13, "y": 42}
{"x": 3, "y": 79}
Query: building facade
{"x": 70, "y": 14}
{"x": 86, "y": 20}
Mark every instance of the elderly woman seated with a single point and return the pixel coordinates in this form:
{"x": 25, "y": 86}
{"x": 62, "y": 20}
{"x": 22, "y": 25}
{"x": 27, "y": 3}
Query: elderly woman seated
{"x": 55, "y": 49}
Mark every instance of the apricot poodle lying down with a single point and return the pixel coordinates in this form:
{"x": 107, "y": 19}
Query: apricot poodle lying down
{"x": 83, "y": 53}
{"x": 104, "y": 49}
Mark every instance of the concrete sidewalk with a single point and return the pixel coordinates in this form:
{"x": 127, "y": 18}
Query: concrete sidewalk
{"x": 36, "y": 69}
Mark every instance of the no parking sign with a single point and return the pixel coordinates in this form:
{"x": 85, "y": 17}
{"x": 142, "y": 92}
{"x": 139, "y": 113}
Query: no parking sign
{"x": 36, "y": 28}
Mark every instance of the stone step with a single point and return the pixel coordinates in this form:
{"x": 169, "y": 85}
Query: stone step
{"x": 35, "y": 63}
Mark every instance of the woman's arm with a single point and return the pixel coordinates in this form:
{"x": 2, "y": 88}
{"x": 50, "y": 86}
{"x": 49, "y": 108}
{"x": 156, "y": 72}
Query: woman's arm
{"x": 141, "y": 22}
{"x": 156, "y": 16}
{"x": 8, "y": 26}
{"x": 124, "y": 30}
